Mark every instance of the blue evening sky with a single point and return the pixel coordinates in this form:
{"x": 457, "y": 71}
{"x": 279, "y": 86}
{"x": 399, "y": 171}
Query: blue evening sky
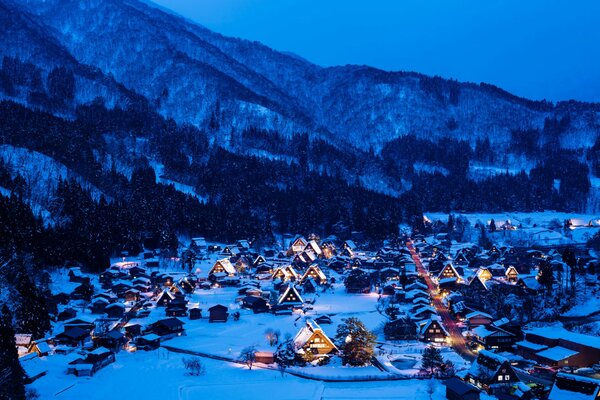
{"x": 533, "y": 48}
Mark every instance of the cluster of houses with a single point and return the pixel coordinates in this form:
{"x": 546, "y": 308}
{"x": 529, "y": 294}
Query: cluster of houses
{"x": 464, "y": 280}
{"x": 284, "y": 281}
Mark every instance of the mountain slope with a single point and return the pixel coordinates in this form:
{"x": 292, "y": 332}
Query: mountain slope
{"x": 30, "y": 53}
{"x": 185, "y": 68}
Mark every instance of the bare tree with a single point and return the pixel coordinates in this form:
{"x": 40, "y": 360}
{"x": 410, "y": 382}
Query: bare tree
{"x": 194, "y": 366}
{"x": 248, "y": 356}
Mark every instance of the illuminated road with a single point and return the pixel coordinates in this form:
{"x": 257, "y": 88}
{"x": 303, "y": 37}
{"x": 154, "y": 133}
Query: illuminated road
{"x": 457, "y": 340}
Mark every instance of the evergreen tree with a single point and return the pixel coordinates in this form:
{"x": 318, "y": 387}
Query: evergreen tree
{"x": 11, "y": 374}
{"x": 356, "y": 342}
{"x": 32, "y": 311}
{"x": 432, "y": 358}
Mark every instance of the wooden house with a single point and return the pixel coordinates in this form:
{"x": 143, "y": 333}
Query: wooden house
{"x": 168, "y": 327}
{"x": 492, "y": 337}
{"x": 66, "y": 314}
{"x": 112, "y": 340}
{"x": 218, "y": 313}
{"x": 461, "y": 258}
{"x": 574, "y": 387}
{"x": 297, "y": 246}
{"x": 449, "y": 272}
{"x": 222, "y": 266}
{"x": 115, "y": 310}
{"x": 477, "y": 318}
{"x": 512, "y": 275}
{"x": 258, "y": 261}
{"x": 132, "y": 295}
{"x": 490, "y": 371}
{"x": 149, "y": 341}
{"x": 400, "y": 329}
{"x": 431, "y": 330}
{"x": 457, "y": 389}
{"x": 349, "y": 248}
{"x": 478, "y": 285}
{"x": 484, "y": 273}
{"x": 195, "y": 313}
{"x": 92, "y": 363}
{"x": 165, "y": 298}
{"x": 316, "y": 274}
{"x": 312, "y": 338}
{"x": 255, "y": 303}
{"x": 98, "y": 305}
{"x": 290, "y": 298}
{"x": 313, "y": 247}
{"x": 41, "y": 347}
{"x": 73, "y": 337}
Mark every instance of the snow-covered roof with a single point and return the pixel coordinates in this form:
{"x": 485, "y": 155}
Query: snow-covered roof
{"x": 553, "y": 332}
{"x": 531, "y": 346}
{"x": 569, "y": 392}
{"x": 478, "y": 313}
{"x": 557, "y": 353}
{"x": 226, "y": 264}
{"x": 306, "y": 333}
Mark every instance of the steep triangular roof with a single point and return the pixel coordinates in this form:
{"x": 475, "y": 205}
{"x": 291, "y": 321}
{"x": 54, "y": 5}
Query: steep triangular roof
{"x": 308, "y": 332}
{"x": 290, "y": 296}
{"x": 317, "y": 271}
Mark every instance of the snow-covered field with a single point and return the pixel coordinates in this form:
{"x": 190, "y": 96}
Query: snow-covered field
{"x": 160, "y": 374}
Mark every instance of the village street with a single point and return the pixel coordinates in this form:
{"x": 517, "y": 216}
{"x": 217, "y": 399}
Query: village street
{"x": 457, "y": 340}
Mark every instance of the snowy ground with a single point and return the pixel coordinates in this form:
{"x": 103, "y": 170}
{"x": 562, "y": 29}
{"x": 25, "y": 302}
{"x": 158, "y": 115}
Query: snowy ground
{"x": 160, "y": 374}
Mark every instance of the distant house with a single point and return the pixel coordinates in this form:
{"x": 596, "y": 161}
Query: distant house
{"x": 222, "y": 266}
{"x": 571, "y": 387}
{"x": 195, "y": 313}
{"x": 431, "y": 330}
{"x": 461, "y": 258}
{"x": 477, "y": 318}
{"x": 400, "y": 329}
{"x": 512, "y": 275}
{"x": 41, "y": 347}
{"x": 115, "y": 310}
{"x": 459, "y": 390}
{"x": 165, "y": 298}
{"x": 168, "y": 327}
{"x": 449, "y": 272}
{"x": 558, "y": 347}
{"x": 287, "y": 273}
{"x": 290, "y": 298}
{"x": 297, "y": 245}
{"x": 492, "y": 337}
{"x": 349, "y": 247}
{"x": 98, "y": 305}
{"x": 92, "y": 362}
{"x": 313, "y": 247}
{"x": 73, "y": 337}
{"x": 112, "y": 340}
{"x": 490, "y": 371}
{"x": 315, "y": 273}
{"x": 218, "y": 313}
{"x": 312, "y": 338}
{"x": 75, "y": 275}
{"x": 255, "y": 303}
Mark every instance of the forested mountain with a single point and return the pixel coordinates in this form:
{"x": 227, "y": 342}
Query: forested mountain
{"x": 157, "y": 127}
{"x": 194, "y": 75}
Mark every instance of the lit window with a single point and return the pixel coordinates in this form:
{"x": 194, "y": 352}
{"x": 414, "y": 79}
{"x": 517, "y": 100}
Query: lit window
{"x": 500, "y": 377}
{"x": 507, "y": 377}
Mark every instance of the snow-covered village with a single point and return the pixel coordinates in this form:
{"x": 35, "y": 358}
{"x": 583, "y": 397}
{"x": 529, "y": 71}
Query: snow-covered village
{"x": 299, "y": 200}
{"x": 323, "y": 318}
